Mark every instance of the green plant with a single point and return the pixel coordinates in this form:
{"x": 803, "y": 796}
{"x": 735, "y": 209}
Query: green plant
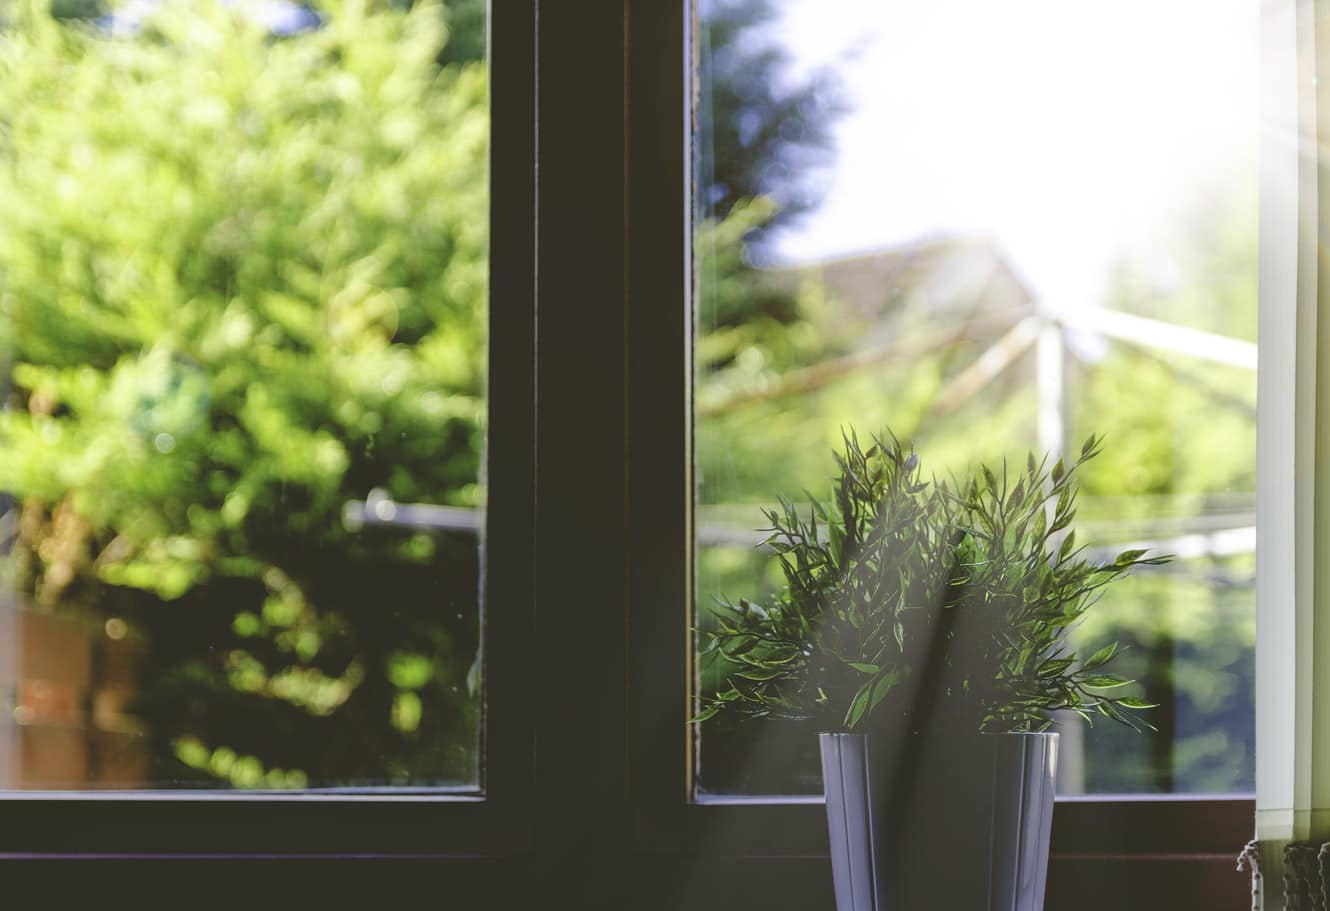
{"x": 911, "y": 603}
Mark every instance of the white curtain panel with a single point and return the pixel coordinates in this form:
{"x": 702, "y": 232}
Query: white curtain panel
{"x": 1292, "y": 823}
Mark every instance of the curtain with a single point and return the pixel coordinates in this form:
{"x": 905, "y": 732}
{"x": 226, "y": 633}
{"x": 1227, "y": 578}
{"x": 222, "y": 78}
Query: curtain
{"x": 1289, "y": 855}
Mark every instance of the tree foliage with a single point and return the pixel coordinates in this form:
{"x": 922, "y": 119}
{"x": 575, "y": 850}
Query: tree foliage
{"x": 764, "y": 131}
{"x": 242, "y": 282}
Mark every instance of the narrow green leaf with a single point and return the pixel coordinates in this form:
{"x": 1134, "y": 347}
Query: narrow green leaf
{"x": 858, "y": 705}
{"x": 989, "y": 478}
{"x": 1103, "y": 682}
{"x": 709, "y": 712}
{"x": 1101, "y": 657}
{"x": 1054, "y": 667}
{"x": 1068, "y": 544}
{"x": 745, "y": 644}
{"x": 883, "y": 685}
{"x": 1133, "y": 702}
{"x": 762, "y": 675}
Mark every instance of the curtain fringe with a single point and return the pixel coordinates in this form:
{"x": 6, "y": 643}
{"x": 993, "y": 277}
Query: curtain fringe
{"x": 1306, "y": 875}
{"x": 1250, "y": 858}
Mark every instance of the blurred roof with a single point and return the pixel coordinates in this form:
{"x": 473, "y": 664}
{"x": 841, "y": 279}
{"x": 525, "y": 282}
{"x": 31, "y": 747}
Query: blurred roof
{"x": 962, "y": 278}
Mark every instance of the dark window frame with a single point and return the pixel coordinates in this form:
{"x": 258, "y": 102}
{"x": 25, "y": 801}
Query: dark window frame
{"x": 588, "y": 573}
{"x": 164, "y": 825}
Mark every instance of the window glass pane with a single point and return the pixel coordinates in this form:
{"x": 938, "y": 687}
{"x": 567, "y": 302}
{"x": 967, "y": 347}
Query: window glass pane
{"x": 990, "y": 229}
{"x": 242, "y": 311}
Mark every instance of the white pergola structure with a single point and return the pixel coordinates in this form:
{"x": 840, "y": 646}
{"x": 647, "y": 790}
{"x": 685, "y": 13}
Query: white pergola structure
{"x": 1156, "y": 338}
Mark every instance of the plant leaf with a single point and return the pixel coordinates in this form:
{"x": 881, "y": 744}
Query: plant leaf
{"x": 1101, "y": 657}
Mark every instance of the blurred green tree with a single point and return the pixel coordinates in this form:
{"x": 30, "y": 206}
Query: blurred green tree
{"x": 764, "y": 129}
{"x": 242, "y": 281}
{"x": 1182, "y": 445}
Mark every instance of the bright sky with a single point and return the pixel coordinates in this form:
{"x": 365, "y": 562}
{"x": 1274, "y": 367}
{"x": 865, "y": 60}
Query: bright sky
{"x": 1064, "y": 129}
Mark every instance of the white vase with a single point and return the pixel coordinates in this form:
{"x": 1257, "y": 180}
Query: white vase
{"x": 943, "y": 823}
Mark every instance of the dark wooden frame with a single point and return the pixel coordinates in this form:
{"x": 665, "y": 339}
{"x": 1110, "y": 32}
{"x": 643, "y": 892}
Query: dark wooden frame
{"x": 46, "y": 827}
{"x": 589, "y": 568}
{"x": 1154, "y": 853}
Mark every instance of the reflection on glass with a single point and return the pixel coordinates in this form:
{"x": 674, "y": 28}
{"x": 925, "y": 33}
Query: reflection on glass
{"x": 242, "y": 315}
{"x": 992, "y": 228}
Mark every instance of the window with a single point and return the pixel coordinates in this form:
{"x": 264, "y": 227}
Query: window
{"x": 439, "y": 810}
{"x": 1107, "y": 849}
{"x": 588, "y": 773}
{"x": 906, "y": 228}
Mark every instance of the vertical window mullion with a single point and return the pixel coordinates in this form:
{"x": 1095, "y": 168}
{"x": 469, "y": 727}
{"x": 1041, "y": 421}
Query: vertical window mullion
{"x": 509, "y": 555}
{"x": 574, "y": 678}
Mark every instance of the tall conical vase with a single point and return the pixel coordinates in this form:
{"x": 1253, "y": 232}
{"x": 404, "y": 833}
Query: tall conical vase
{"x": 939, "y": 823}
